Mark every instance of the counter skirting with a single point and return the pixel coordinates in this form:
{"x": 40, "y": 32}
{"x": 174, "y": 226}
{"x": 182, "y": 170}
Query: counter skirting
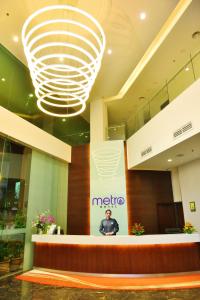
{"x": 118, "y": 259}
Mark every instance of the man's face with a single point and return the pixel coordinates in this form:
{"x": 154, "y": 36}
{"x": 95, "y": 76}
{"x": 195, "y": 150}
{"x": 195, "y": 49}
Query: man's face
{"x": 108, "y": 214}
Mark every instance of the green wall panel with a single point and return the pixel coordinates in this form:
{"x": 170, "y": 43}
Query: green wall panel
{"x": 17, "y": 95}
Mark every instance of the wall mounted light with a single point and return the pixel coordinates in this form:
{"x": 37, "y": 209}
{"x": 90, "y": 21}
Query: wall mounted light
{"x": 64, "y": 47}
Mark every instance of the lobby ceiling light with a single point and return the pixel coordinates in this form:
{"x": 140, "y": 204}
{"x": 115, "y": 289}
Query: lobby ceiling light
{"x": 15, "y": 38}
{"x": 143, "y": 16}
{"x": 64, "y": 47}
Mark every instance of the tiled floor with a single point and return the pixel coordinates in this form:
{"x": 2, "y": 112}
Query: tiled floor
{"x": 13, "y": 289}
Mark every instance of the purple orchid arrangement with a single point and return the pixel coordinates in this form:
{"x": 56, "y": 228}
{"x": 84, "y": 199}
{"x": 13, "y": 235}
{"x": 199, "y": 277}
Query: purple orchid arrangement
{"x": 43, "y": 221}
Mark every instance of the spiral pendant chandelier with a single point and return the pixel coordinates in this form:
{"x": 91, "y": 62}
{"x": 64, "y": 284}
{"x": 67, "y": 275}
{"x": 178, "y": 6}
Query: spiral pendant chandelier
{"x": 64, "y": 47}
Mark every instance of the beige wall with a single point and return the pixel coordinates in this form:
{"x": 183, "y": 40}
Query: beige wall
{"x": 24, "y": 132}
{"x": 189, "y": 175}
{"x": 176, "y": 185}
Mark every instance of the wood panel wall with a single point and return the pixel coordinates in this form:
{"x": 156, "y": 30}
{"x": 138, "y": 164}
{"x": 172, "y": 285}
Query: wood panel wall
{"x": 79, "y": 191}
{"x": 144, "y": 190}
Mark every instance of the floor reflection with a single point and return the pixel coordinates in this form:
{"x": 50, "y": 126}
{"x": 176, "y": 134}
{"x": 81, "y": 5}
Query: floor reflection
{"x": 13, "y": 289}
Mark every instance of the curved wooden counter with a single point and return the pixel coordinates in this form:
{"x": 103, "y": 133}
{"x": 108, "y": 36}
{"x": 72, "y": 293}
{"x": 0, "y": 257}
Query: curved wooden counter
{"x": 118, "y": 255}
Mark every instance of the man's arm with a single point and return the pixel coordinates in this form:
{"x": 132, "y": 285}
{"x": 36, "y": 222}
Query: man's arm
{"x": 101, "y": 228}
{"x": 116, "y": 227}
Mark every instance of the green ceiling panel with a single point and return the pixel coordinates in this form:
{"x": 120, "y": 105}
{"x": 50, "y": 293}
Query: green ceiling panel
{"x": 17, "y": 95}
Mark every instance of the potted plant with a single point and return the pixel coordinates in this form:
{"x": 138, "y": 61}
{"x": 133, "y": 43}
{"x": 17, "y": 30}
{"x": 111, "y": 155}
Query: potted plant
{"x": 20, "y": 220}
{"x": 137, "y": 229}
{"x": 4, "y": 258}
{"x": 2, "y": 224}
{"x": 16, "y": 255}
{"x": 188, "y": 228}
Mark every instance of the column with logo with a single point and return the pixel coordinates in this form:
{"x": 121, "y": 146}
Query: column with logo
{"x": 107, "y": 185}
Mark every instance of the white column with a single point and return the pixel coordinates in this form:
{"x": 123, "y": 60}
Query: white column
{"x": 98, "y": 121}
{"x": 107, "y": 172}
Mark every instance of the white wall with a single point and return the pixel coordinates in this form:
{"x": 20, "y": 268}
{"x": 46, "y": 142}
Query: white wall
{"x": 189, "y": 176}
{"x": 24, "y": 132}
{"x": 158, "y": 132}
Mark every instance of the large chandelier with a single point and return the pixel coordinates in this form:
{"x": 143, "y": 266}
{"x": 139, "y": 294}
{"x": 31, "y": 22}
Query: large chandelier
{"x": 64, "y": 47}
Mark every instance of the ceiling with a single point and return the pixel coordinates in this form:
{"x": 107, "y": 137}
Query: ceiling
{"x": 126, "y": 34}
{"x": 178, "y": 155}
{"x": 129, "y": 37}
{"x": 171, "y": 56}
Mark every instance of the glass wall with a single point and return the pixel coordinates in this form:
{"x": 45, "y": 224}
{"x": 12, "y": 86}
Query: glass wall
{"x": 14, "y": 170}
{"x": 48, "y": 186}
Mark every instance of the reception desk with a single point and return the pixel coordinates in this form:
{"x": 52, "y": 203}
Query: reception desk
{"x": 147, "y": 254}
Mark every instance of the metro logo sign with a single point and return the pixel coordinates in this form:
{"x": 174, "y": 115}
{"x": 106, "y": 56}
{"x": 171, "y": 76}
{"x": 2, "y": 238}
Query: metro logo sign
{"x": 99, "y": 201}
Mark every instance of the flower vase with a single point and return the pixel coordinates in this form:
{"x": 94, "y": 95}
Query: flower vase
{"x": 45, "y": 229}
{"x": 39, "y": 231}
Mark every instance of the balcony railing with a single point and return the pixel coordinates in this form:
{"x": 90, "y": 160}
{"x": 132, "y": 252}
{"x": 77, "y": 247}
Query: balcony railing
{"x": 174, "y": 87}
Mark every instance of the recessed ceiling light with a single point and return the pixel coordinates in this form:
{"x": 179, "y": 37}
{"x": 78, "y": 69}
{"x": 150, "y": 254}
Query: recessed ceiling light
{"x": 196, "y": 35}
{"x": 3, "y": 79}
{"x": 143, "y": 15}
{"x": 169, "y": 160}
{"x": 15, "y": 38}
{"x": 63, "y": 119}
{"x": 187, "y": 69}
{"x": 141, "y": 98}
{"x": 109, "y": 51}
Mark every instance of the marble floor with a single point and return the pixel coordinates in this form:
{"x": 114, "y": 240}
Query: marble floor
{"x": 13, "y": 289}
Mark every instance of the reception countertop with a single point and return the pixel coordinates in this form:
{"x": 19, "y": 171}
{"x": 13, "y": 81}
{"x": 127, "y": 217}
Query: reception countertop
{"x": 117, "y": 240}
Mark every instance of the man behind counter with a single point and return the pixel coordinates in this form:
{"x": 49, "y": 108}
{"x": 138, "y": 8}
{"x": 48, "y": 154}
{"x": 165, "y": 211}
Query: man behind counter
{"x": 108, "y": 225}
